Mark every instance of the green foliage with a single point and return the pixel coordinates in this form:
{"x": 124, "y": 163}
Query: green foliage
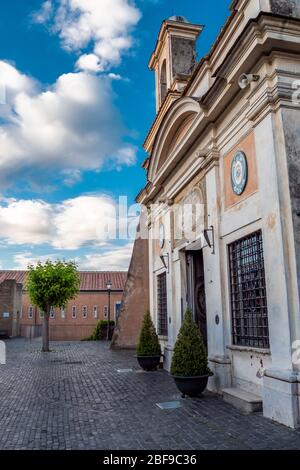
{"x": 95, "y": 336}
{"x": 99, "y": 331}
{"x": 190, "y": 356}
{"x": 148, "y": 342}
{"x": 52, "y": 284}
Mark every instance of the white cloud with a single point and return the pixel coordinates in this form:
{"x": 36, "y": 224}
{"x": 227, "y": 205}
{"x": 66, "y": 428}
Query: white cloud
{"x": 101, "y": 25}
{"x": 89, "y": 62}
{"x": 85, "y": 219}
{"x": 23, "y": 260}
{"x": 71, "y": 177}
{"x": 72, "y": 125}
{"x": 14, "y": 81}
{"x": 116, "y": 76}
{"x": 25, "y": 222}
{"x": 69, "y": 225}
{"x": 45, "y": 13}
{"x": 115, "y": 259}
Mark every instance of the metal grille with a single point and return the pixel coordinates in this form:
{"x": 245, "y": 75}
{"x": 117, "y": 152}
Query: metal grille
{"x": 248, "y": 292}
{"x": 162, "y": 309}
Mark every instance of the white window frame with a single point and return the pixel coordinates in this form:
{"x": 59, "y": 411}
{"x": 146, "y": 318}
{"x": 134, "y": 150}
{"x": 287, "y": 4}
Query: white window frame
{"x": 52, "y": 312}
{"x": 63, "y": 313}
{"x": 84, "y": 309}
{"x": 30, "y": 312}
{"x": 74, "y": 311}
{"x": 95, "y": 311}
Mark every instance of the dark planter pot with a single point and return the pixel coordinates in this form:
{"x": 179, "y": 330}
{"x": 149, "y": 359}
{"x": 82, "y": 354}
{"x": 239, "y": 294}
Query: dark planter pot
{"x": 148, "y": 363}
{"x": 192, "y": 386}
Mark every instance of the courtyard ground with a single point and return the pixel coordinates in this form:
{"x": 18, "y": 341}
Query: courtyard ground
{"x": 82, "y": 396}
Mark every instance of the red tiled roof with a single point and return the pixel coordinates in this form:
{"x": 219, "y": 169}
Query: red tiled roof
{"x": 19, "y": 276}
{"x": 89, "y": 280}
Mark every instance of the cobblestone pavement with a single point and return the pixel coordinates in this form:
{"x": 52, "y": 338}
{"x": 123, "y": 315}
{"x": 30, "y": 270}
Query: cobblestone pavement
{"x": 75, "y": 398}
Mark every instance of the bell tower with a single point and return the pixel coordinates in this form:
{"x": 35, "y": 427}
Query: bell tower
{"x": 174, "y": 57}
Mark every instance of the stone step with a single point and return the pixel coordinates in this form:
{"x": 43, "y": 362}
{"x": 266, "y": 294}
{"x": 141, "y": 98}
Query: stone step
{"x": 243, "y": 400}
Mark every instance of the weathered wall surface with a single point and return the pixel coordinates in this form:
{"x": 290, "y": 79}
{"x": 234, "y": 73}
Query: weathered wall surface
{"x": 183, "y": 56}
{"x": 291, "y": 123}
{"x": 286, "y": 7}
{"x": 135, "y": 299}
{"x": 10, "y": 306}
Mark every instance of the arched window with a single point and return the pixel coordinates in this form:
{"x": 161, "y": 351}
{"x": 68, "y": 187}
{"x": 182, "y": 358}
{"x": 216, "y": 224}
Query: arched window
{"x": 163, "y": 81}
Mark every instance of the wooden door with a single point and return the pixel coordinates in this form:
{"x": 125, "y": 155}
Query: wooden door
{"x": 196, "y": 290}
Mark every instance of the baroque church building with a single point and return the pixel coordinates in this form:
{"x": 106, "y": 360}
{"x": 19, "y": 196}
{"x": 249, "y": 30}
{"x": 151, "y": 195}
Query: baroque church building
{"x": 225, "y": 142}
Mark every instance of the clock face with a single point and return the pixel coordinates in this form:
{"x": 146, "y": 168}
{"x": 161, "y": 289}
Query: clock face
{"x": 161, "y": 235}
{"x": 239, "y": 173}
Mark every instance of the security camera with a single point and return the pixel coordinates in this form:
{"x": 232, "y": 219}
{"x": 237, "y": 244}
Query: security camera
{"x": 246, "y": 79}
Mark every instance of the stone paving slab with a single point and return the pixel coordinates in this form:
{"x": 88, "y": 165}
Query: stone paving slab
{"x": 75, "y": 398}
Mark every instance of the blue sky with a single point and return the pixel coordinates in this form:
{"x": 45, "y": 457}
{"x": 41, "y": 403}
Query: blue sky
{"x": 79, "y": 100}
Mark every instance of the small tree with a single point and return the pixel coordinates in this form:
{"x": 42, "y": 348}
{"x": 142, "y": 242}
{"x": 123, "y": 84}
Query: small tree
{"x": 52, "y": 284}
{"x": 148, "y": 343}
{"x": 190, "y": 356}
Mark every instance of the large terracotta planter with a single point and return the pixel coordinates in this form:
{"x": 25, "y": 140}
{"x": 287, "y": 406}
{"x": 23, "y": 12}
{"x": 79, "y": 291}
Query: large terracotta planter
{"x": 192, "y": 386}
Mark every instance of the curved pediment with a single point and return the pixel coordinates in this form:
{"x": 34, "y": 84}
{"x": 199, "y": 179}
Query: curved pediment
{"x": 173, "y": 131}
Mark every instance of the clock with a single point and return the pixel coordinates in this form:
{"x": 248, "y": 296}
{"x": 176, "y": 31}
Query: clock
{"x": 239, "y": 173}
{"x": 161, "y": 236}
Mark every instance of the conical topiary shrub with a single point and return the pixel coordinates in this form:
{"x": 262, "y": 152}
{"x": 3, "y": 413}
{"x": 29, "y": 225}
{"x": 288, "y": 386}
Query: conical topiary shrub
{"x": 148, "y": 350}
{"x": 148, "y": 343}
{"x": 190, "y": 356}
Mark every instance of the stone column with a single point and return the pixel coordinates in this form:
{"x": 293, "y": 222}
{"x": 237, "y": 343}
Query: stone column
{"x": 218, "y": 359}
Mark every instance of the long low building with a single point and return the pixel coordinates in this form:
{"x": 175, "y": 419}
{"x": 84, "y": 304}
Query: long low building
{"x": 81, "y": 315}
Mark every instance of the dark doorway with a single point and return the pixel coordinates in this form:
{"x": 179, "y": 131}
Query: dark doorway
{"x": 196, "y": 290}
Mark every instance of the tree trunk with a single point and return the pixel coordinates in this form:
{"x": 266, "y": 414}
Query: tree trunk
{"x": 46, "y": 331}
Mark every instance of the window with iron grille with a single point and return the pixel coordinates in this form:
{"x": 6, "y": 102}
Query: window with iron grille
{"x": 162, "y": 310}
{"x": 248, "y": 292}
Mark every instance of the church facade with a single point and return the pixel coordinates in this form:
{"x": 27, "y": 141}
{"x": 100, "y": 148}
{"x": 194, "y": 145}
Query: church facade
{"x": 222, "y": 199}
